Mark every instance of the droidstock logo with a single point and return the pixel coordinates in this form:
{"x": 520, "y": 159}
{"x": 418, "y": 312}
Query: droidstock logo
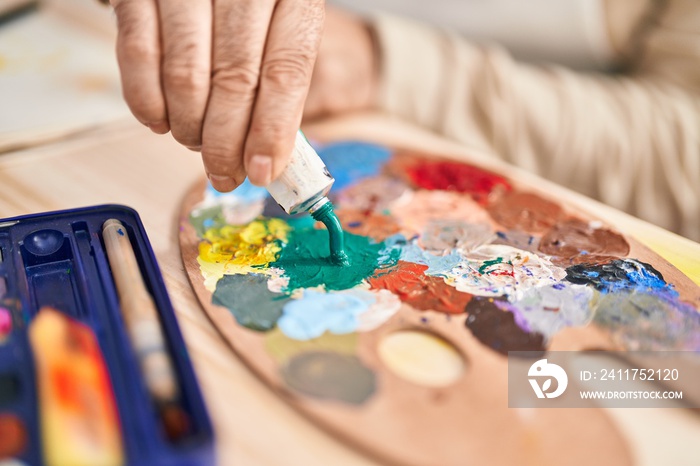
{"x": 543, "y": 371}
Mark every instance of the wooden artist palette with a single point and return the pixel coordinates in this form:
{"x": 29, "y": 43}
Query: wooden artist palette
{"x": 403, "y": 354}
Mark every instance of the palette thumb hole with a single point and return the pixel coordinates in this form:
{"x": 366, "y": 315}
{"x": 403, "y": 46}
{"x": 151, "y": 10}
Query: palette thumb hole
{"x": 93, "y": 367}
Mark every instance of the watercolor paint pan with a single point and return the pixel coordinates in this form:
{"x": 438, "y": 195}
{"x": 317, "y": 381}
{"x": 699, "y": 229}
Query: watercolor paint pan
{"x": 57, "y": 261}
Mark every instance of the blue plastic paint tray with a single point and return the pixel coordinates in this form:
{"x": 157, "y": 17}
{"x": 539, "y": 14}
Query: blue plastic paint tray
{"x": 58, "y": 259}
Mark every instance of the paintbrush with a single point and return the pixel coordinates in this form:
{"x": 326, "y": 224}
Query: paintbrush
{"x": 141, "y": 318}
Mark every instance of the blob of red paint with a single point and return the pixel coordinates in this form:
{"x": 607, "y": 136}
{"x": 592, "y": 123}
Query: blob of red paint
{"x": 408, "y": 281}
{"x": 455, "y": 176}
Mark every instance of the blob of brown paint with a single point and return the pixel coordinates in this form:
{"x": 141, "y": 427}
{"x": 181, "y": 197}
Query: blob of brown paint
{"x": 408, "y": 281}
{"x": 526, "y": 212}
{"x": 13, "y": 436}
{"x": 497, "y": 329}
{"x": 575, "y": 241}
{"x": 368, "y": 223}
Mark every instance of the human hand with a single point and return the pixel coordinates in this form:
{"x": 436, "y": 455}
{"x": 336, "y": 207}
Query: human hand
{"x": 227, "y": 77}
{"x": 346, "y": 75}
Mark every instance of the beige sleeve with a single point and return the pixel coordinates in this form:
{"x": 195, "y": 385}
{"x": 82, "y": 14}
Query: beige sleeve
{"x": 631, "y": 140}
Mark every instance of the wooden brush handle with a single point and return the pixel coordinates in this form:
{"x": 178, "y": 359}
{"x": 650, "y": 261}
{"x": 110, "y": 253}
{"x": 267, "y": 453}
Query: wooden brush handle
{"x": 140, "y": 314}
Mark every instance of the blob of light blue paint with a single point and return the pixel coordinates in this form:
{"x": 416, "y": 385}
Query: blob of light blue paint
{"x": 316, "y": 313}
{"x": 350, "y": 162}
{"x": 246, "y": 191}
{"x": 438, "y": 266}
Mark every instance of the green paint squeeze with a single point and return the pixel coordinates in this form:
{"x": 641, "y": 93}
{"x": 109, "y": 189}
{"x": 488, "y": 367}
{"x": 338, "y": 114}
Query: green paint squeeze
{"x": 305, "y": 260}
{"x": 326, "y": 215}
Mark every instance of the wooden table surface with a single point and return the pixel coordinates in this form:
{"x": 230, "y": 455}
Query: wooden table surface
{"x": 124, "y": 163}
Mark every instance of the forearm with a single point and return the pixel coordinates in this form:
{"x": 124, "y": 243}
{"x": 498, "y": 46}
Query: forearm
{"x": 631, "y": 141}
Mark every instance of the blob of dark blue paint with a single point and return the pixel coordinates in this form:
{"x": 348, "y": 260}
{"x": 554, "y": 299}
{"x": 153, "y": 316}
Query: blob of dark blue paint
{"x": 619, "y": 275}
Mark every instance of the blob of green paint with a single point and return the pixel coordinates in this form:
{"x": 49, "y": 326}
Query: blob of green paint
{"x": 247, "y": 297}
{"x": 305, "y": 260}
{"x": 488, "y": 264}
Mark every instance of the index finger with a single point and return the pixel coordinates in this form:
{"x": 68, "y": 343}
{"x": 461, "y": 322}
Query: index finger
{"x": 285, "y": 76}
{"x": 139, "y": 55}
{"x": 240, "y": 30}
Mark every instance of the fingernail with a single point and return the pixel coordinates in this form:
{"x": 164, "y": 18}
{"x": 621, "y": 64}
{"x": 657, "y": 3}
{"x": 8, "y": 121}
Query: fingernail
{"x": 195, "y": 148}
{"x": 222, "y": 183}
{"x": 260, "y": 170}
{"x": 159, "y": 127}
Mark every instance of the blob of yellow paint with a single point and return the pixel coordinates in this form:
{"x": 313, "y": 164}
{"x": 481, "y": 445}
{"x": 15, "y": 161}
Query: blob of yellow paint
{"x": 421, "y": 358}
{"x": 240, "y": 249}
{"x": 282, "y": 348}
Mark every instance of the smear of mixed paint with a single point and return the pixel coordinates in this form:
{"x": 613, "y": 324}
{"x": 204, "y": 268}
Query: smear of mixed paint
{"x": 368, "y": 223}
{"x": 240, "y": 249}
{"x": 442, "y": 236}
{"x": 417, "y": 210}
{"x": 374, "y": 194}
{"x": 438, "y": 264}
{"x": 548, "y": 309}
{"x": 647, "y": 320}
{"x": 496, "y": 270}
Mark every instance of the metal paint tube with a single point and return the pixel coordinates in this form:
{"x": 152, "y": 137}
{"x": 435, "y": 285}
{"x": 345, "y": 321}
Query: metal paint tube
{"x": 302, "y": 187}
